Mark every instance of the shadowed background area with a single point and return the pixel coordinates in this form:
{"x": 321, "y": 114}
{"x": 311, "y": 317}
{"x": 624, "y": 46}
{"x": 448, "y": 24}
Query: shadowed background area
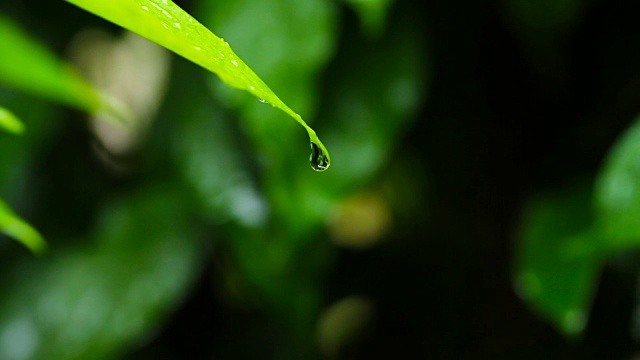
{"x": 483, "y": 199}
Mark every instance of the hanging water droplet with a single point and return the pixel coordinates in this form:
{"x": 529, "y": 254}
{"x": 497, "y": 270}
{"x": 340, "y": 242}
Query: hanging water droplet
{"x": 318, "y": 159}
{"x": 262, "y": 100}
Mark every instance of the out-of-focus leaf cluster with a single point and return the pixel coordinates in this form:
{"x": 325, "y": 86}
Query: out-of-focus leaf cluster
{"x": 567, "y": 235}
{"x": 130, "y": 230}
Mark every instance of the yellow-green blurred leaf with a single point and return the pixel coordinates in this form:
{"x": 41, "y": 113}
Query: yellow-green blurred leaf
{"x": 15, "y": 227}
{"x": 27, "y": 66}
{"x": 9, "y": 122}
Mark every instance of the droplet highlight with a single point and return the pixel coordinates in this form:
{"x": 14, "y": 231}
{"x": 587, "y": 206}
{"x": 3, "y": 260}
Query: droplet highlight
{"x": 318, "y": 159}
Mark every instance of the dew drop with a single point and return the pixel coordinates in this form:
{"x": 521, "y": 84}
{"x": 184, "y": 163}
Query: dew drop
{"x": 318, "y": 159}
{"x": 262, "y": 100}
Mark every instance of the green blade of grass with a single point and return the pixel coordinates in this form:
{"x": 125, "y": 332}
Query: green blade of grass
{"x": 27, "y": 66}
{"x": 166, "y": 24}
{"x": 9, "y": 122}
{"x": 13, "y": 226}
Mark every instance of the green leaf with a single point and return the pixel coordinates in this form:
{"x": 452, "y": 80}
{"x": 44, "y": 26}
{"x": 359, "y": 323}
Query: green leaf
{"x": 617, "y": 193}
{"x": 13, "y": 226}
{"x": 559, "y": 258}
{"x": 95, "y": 299}
{"x": 10, "y": 122}
{"x": 289, "y": 56}
{"x": 166, "y": 24}
{"x": 27, "y": 66}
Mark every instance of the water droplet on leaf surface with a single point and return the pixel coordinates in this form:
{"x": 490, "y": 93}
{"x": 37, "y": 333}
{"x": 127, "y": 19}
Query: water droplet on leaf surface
{"x": 318, "y": 159}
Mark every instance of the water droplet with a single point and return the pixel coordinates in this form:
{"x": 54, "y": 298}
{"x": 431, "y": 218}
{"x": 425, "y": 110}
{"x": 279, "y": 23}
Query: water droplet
{"x": 318, "y": 159}
{"x": 235, "y": 63}
{"x": 262, "y": 101}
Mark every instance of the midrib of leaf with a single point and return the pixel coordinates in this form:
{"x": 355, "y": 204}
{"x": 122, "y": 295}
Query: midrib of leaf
{"x": 166, "y": 24}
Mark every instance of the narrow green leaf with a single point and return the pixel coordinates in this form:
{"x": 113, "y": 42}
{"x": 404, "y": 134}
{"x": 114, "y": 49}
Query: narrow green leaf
{"x": 10, "y": 122}
{"x": 27, "y": 66}
{"x": 166, "y": 24}
{"x": 617, "y": 191}
{"x": 13, "y": 226}
{"x": 559, "y": 259}
{"x": 303, "y": 32}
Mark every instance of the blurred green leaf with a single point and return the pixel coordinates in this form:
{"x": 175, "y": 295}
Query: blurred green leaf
{"x": 95, "y": 299}
{"x": 13, "y": 226}
{"x": 166, "y": 24}
{"x": 372, "y": 14}
{"x": 379, "y": 85}
{"x": 344, "y": 323}
{"x": 27, "y": 66}
{"x": 546, "y": 16}
{"x": 559, "y": 258}
{"x": 17, "y": 156}
{"x": 617, "y": 192}
{"x": 210, "y": 160}
{"x": 544, "y": 28}
{"x": 9, "y": 122}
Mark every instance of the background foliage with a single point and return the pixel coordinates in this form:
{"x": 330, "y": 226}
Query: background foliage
{"x": 483, "y": 199}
